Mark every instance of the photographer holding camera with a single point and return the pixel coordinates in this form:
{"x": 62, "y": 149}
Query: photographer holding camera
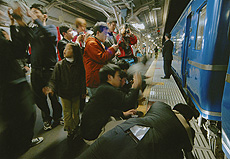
{"x": 125, "y": 39}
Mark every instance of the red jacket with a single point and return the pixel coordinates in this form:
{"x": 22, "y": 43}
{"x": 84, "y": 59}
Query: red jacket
{"x": 132, "y": 40}
{"x": 95, "y": 57}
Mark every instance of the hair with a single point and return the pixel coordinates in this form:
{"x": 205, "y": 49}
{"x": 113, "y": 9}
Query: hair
{"x": 108, "y": 69}
{"x": 77, "y": 55}
{"x": 123, "y": 64}
{"x": 99, "y": 26}
{"x": 80, "y": 21}
{"x": 39, "y": 7}
{"x": 168, "y": 35}
{"x": 123, "y": 74}
{"x": 111, "y": 20}
{"x": 186, "y": 110}
{"x": 64, "y": 29}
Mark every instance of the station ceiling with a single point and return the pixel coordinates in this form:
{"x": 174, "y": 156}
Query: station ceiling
{"x": 158, "y": 16}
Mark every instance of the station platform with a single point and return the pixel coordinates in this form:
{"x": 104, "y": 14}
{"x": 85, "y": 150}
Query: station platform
{"x": 55, "y": 144}
{"x": 166, "y": 90}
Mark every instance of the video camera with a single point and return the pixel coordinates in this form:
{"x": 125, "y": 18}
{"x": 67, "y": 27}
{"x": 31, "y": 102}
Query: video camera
{"x": 127, "y": 28}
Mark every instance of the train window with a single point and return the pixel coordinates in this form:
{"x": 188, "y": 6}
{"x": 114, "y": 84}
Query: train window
{"x": 177, "y": 42}
{"x": 200, "y": 28}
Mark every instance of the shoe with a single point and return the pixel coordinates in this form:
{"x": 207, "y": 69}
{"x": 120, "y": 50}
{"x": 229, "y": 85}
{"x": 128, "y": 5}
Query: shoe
{"x": 60, "y": 121}
{"x": 36, "y": 141}
{"x": 165, "y": 77}
{"x": 47, "y": 125}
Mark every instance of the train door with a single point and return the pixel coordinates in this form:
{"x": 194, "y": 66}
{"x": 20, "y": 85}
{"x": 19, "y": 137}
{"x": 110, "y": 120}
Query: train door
{"x": 186, "y": 49}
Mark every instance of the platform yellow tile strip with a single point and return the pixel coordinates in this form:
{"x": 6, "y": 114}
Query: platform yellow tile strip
{"x": 150, "y": 72}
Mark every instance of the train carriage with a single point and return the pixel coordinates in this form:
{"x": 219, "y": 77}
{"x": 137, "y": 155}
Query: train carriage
{"x": 225, "y": 116}
{"x": 201, "y": 50}
{"x": 201, "y": 57}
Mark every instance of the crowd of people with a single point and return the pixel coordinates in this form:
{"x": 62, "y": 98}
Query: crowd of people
{"x": 93, "y": 65}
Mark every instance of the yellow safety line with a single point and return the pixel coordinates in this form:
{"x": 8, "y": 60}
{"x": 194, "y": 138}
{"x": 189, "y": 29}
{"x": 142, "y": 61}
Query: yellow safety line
{"x": 150, "y": 73}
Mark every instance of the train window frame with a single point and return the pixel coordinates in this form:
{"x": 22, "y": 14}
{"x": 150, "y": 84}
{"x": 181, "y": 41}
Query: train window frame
{"x": 200, "y": 28}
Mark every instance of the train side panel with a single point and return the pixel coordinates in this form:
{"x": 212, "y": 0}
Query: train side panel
{"x": 226, "y": 116}
{"x": 204, "y": 61}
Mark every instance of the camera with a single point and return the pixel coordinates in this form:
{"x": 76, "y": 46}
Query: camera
{"x": 127, "y": 31}
{"x": 81, "y": 33}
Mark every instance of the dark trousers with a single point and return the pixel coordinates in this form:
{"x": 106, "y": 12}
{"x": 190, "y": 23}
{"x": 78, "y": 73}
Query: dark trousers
{"x": 40, "y": 79}
{"x": 115, "y": 141}
{"x": 17, "y": 120}
{"x": 167, "y": 68}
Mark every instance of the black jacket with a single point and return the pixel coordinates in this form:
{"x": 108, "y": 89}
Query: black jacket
{"x": 107, "y": 101}
{"x": 16, "y": 102}
{"x": 167, "y": 50}
{"x": 43, "y": 40}
{"x": 9, "y": 52}
{"x": 68, "y": 79}
{"x": 164, "y": 140}
{"x": 61, "y": 46}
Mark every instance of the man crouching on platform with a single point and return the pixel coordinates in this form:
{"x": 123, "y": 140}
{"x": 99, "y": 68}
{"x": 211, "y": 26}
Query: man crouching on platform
{"x": 108, "y": 101}
{"x": 161, "y": 134}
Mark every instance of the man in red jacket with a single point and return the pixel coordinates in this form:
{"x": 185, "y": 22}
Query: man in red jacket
{"x": 125, "y": 39}
{"x": 96, "y": 56}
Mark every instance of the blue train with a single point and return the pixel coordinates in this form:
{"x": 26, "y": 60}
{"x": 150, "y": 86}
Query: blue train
{"x": 201, "y": 60}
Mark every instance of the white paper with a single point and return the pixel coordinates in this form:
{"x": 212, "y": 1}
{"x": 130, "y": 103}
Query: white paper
{"x": 139, "y": 131}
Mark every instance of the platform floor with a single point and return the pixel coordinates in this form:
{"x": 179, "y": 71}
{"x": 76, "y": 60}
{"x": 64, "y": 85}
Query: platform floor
{"x": 55, "y": 144}
{"x": 166, "y": 90}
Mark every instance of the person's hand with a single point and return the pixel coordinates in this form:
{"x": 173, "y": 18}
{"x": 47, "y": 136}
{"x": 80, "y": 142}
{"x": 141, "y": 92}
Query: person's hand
{"x": 115, "y": 47}
{"x": 81, "y": 38}
{"x": 26, "y": 68}
{"x": 83, "y": 96}
{"x": 31, "y": 14}
{"x": 47, "y": 90}
{"x": 123, "y": 31}
{"x": 118, "y": 53}
{"x": 17, "y": 15}
{"x": 86, "y": 36}
{"x": 10, "y": 16}
{"x": 137, "y": 81}
{"x": 130, "y": 112}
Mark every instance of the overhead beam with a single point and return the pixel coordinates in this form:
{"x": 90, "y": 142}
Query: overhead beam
{"x": 127, "y": 4}
{"x": 155, "y": 17}
{"x": 138, "y": 12}
{"x": 80, "y": 11}
{"x": 67, "y": 11}
{"x": 115, "y": 11}
{"x": 94, "y": 5}
{"x": 123, "y": 2}
{"x": 51, "y": 4}
{"x": 60, "y": 2}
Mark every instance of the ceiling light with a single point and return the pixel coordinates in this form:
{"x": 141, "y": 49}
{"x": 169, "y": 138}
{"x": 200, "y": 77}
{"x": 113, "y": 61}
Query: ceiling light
{"x": 138, "y": 26}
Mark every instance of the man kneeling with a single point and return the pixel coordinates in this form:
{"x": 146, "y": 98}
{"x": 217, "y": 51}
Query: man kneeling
{"x": 161, "y": 134}
{"x": 108, "y": 101}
